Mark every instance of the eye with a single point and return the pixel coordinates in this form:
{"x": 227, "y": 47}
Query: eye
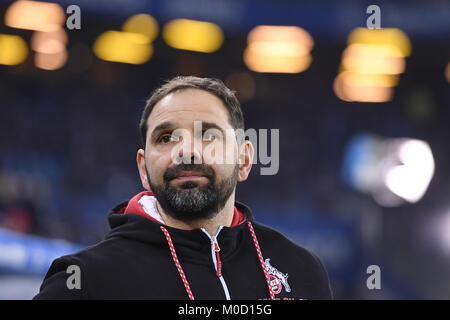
{"x": 209, "y": 136}
{"x": 165, "y": 138}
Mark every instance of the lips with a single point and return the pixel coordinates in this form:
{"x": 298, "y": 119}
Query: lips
{"x": 189, "y": 175}
{"x": 185, "y": 172}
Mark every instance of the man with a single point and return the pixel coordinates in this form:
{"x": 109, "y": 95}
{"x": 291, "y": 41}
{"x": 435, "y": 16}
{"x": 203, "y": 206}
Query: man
{"x": 186, "y": 237}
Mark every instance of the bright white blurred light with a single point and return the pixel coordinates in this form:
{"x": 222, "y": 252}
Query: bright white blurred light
{"x": 392, "y": 170}
{"x": 410, "y": 180}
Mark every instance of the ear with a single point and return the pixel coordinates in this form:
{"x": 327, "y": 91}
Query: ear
{"x": 140, "y": 159}
{"x": 246, "y": 152}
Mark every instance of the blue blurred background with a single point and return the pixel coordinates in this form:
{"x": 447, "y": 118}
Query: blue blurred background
{"x": 69, "y": 117}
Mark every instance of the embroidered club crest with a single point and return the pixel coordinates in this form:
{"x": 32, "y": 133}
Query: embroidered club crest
{"x": 277, "y": 278}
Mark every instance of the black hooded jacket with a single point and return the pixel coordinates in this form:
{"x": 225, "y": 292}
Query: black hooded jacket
{"x": 143, "y": 259}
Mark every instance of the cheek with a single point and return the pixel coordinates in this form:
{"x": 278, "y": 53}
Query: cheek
{"x": 224, "y": 171}
{"x": 156, "y": 166}
{"x": 219, "y": 152}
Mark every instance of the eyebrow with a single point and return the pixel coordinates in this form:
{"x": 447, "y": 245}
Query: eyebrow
{"x": 211, "y": 125}
{"x": 161, "y": 127}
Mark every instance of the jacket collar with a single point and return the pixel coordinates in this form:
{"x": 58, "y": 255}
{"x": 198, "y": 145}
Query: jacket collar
{"x": 144, "y": 204}
{"x": 190, "y": 244}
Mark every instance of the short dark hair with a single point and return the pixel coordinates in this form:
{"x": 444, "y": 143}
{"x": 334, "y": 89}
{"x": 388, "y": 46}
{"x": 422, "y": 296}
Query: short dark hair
{"x": 212, "y": 85}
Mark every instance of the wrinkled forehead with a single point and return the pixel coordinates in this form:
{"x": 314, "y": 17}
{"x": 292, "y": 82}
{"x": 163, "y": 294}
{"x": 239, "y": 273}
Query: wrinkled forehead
{"x": 184, "y": 107}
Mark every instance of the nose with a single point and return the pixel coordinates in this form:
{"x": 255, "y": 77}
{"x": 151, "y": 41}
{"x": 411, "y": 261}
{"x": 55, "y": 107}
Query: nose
{"x": 189, "y": 151}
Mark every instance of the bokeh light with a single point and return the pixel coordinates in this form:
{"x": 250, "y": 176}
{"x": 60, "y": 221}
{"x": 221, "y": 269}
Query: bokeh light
{"x": 143, "y": 24}
{"x": 13, "y": 49}
{"x": 193, "y": 35}
{"x": 278, "y": 49}
{"x": 50, "y": 61}
{"x": 34, "y": 15}
{"x": 125, "y": 47}
{"x": 370, "y": 65}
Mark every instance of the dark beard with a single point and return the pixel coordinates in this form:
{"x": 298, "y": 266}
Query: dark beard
{"x": 193, "y": 202}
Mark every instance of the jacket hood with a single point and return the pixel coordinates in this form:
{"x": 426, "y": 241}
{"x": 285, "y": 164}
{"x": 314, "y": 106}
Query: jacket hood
{"x": 128, "y": 221}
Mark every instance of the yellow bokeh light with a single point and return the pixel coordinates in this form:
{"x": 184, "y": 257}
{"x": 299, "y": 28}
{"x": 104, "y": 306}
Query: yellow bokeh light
{"x": 370, "y": 58}
{"x": 276, "y": 64}
{"x": 371, "y": 64}
{"x": 143, "y": 24}
{"x": 193, "y": 35}
{"x": 34, "y": 15}
{"x": 376, "y": 59}
{"x": 13, "y": 49}
{"x": 389, "y": 36}
{"x": 281, "y": 49}
{"x": 338, "y": 88}
{"x": 279, "y": 35}
{"x": 346, "y": 90}
{"x": 278, "y": 49}
{"x": 369, "y": 80}
{"x": 373, "y": 50}
{"x": 124, "y": 47}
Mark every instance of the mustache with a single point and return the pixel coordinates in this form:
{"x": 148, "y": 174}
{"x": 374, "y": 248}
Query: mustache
{"x": 203, "y": 169}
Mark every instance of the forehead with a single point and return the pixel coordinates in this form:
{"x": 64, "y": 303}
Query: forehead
{"x": 187, "y": 105}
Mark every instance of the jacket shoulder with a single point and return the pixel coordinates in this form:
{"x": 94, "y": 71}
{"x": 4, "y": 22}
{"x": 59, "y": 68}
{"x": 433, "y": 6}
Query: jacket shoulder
{"x": 67, "y": 276}
{"x": 63, "y": 280}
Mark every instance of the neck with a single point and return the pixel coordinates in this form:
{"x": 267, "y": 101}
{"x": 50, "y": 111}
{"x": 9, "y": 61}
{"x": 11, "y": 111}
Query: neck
{"x": 222, "y": 218}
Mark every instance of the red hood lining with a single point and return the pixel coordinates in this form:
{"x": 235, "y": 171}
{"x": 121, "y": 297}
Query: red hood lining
{"x": 134, "y": 207}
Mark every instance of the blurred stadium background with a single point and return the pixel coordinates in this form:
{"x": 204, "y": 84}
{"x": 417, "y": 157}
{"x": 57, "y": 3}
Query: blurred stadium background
{"x": 364, "y": 115}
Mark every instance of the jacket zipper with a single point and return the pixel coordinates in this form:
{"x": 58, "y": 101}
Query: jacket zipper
{"x": 215, "y": 244}
{"x": 215, "y": 249}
